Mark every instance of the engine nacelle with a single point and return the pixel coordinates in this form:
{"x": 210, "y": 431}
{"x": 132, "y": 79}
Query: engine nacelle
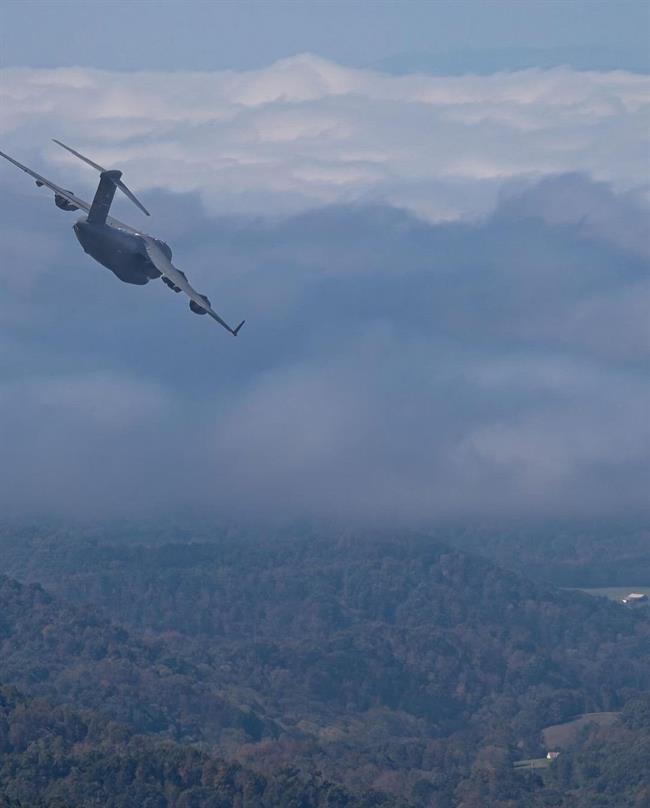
{"x": 196, "y": 308}
{"x": 63, "y": 203}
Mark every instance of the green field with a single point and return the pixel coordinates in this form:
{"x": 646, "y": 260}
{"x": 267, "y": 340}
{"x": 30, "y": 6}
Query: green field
{"x": 616, "y": 592}
{"x": 558, "y": 736}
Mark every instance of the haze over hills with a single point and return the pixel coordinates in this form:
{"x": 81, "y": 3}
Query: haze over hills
{"x": 374, "y": 552}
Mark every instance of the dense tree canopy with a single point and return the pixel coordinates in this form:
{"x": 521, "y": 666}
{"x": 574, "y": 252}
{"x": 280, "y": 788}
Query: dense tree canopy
{"x": 309, "y": 671}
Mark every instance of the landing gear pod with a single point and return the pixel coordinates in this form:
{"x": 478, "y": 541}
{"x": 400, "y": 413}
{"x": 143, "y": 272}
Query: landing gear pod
{"x": 196, "y": 308}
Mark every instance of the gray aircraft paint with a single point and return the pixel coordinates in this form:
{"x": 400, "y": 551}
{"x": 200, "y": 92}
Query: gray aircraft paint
{"x": 132, "y": 256}
{"x": 121, "y": 252}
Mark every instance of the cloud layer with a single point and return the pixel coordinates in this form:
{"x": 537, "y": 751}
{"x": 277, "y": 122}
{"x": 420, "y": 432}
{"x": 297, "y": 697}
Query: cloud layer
{"x": 394, "y": 366}
{"x": 306, "y": 132}
{"x": 390, "y": 369}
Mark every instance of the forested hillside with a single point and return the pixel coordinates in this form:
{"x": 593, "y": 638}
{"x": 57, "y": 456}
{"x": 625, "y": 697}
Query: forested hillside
{"x": 396, "y": 664}
{"x": 57, "y": 756}
{"x": 74, "y": 656}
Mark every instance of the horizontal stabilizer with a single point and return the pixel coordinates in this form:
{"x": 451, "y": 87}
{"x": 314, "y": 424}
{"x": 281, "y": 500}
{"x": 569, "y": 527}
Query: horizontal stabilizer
{"x": 101, "y": 170}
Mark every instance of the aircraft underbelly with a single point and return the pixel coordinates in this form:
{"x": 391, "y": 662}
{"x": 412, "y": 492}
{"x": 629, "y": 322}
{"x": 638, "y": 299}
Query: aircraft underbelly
{"x": 128, "y": 268}
{"x": 118, "y": 251}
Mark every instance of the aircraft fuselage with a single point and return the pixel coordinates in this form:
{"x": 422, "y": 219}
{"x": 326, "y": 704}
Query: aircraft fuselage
{"x": 122, "y": 252}
{"x": 131, "y": 255}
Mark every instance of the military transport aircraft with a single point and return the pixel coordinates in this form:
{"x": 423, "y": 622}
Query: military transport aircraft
{"x": 132, "y": 255}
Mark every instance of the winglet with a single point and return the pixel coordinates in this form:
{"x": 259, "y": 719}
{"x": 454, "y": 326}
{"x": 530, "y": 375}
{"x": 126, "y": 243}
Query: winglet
{"x": 236, "y": 330}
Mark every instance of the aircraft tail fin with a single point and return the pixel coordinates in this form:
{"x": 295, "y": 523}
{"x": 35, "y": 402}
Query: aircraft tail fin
{"x": 118, "y": 183}
{"x": 236, "y": 330}
{"x": 104, "y": 194}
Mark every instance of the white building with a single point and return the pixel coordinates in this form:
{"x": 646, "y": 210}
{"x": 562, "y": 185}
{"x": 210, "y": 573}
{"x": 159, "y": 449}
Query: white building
{"x": 635, "y": 597}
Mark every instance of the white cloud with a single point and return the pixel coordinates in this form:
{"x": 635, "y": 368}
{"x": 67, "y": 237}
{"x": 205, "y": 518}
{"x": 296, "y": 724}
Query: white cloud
{"x": 389, "y": 366}
{"x": 306, "y": 132}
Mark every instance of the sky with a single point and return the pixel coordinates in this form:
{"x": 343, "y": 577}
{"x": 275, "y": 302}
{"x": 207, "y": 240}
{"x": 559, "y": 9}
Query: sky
{"x": 464, "y": 35}
{"x": 444, "y": 272}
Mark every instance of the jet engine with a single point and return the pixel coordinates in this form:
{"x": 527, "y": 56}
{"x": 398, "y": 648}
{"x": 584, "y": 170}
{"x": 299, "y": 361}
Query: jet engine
{"x": 196, "y": 308}
{"x": 62, "y": 202}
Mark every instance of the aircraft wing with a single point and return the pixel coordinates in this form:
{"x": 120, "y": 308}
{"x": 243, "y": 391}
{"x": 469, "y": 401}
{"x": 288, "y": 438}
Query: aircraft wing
{"x": 168, "y": 270}
{"x": 157, "y": 256}
{"x": 75, "y": 200}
